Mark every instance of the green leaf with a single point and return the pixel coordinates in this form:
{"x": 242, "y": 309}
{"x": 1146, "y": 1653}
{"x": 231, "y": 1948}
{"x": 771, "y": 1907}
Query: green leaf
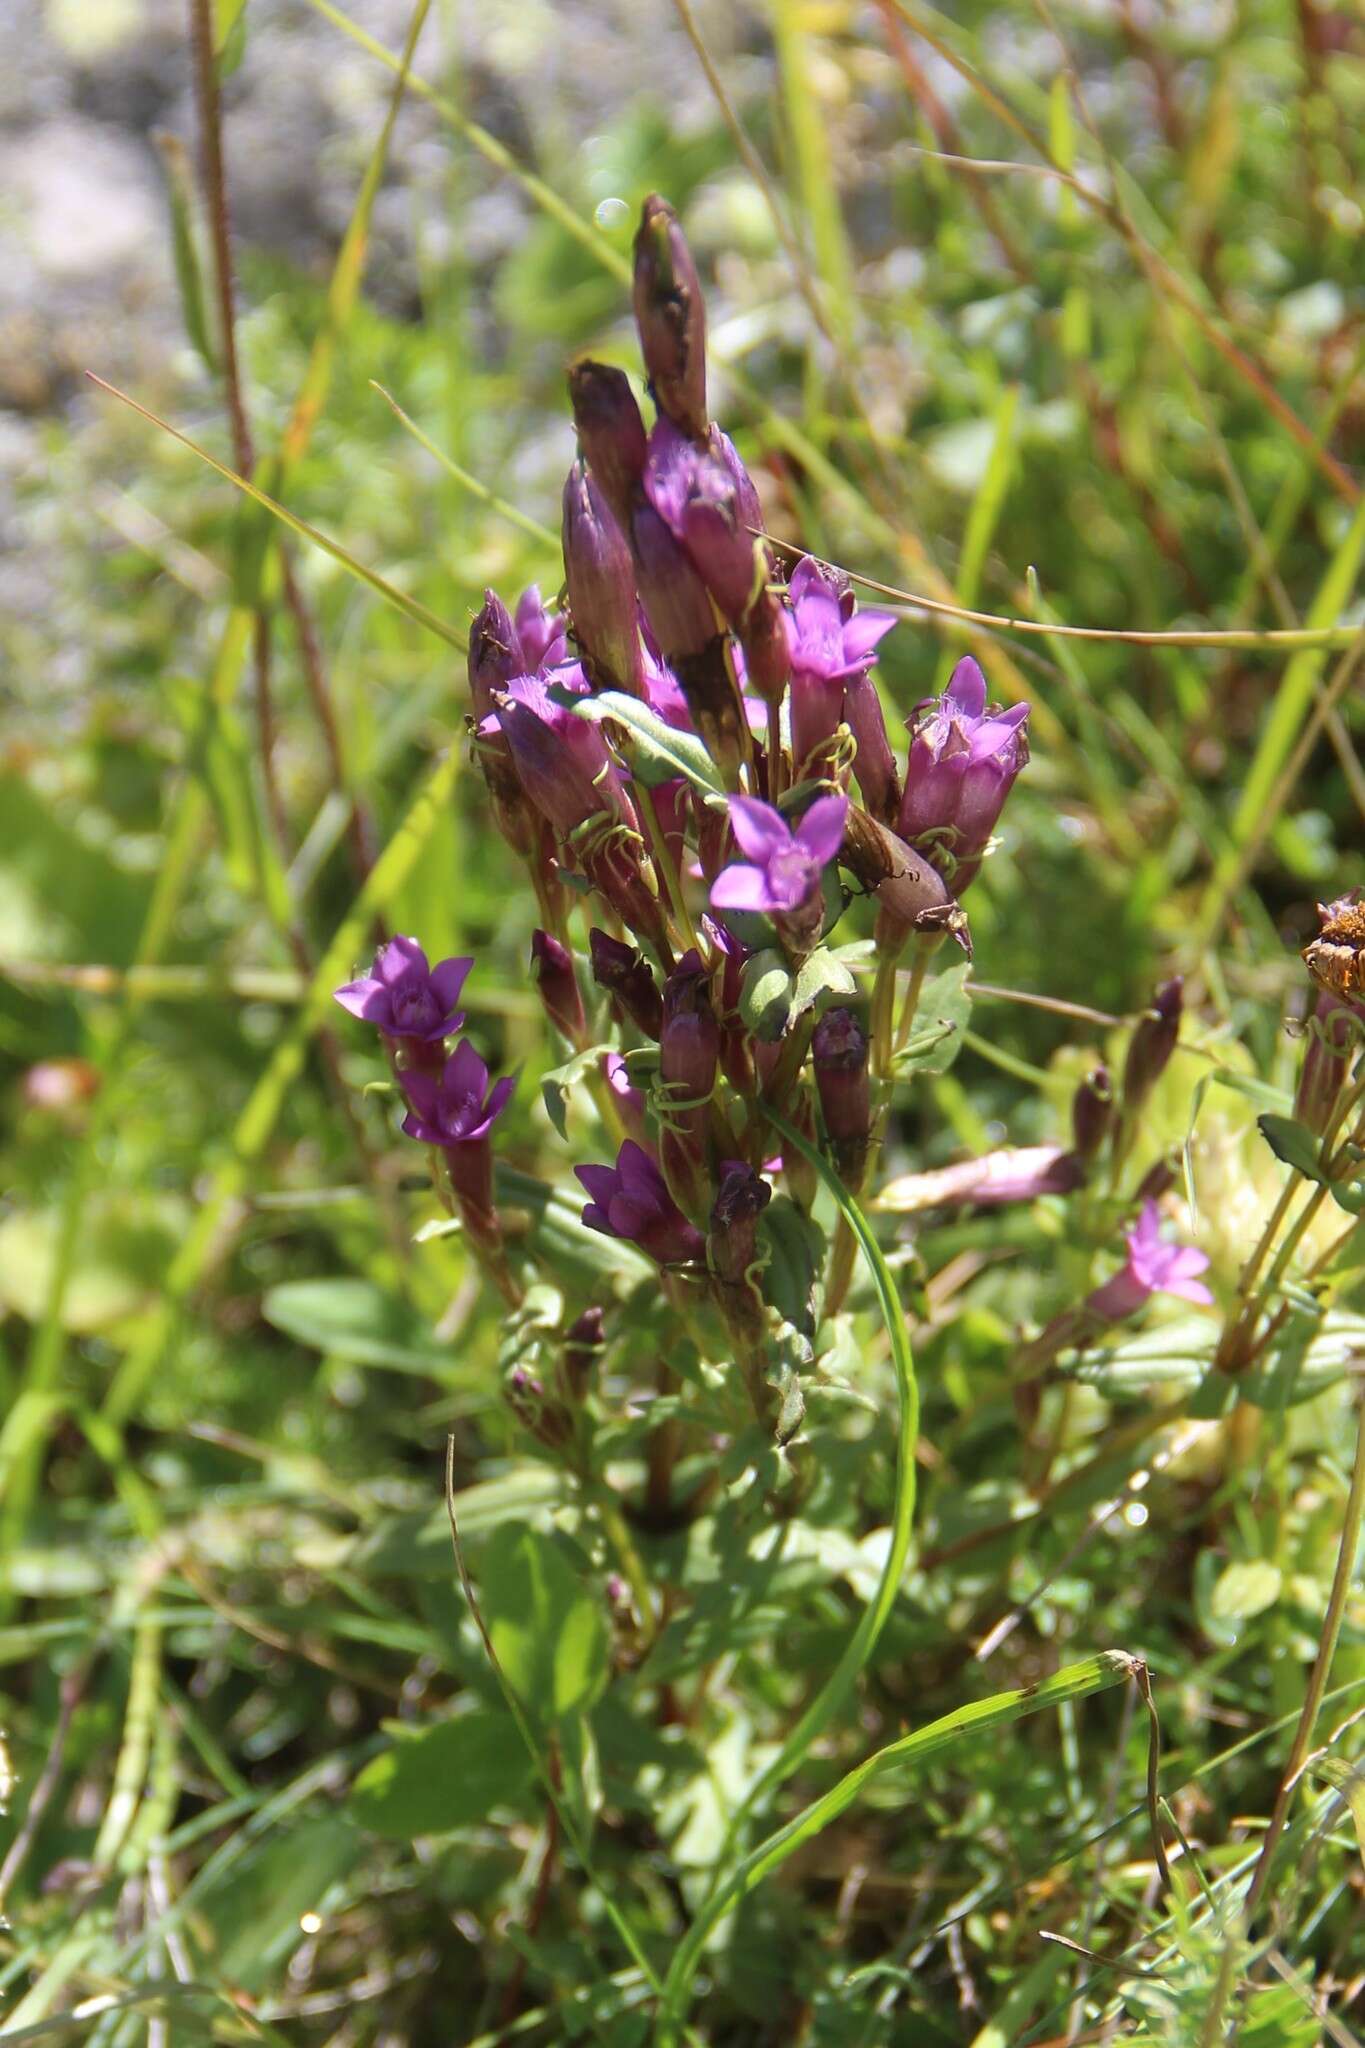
{"x": 821, "y": 975}
{"x": 555, "y": 1085}
{"x": 448, "y": 1776}
{"x": 766, "y": 995}
{"x": 352, "y": 1319}
{"x": 558, "y": 1234}
{"x": 1245, "y": 1589}
{"x": 654, "y": 751}
{"x": 1295, "y": 1144}
{"x": 940, "y": 1021}
{"x": 185, "y": 248}
{"x": 548, "y": 1632}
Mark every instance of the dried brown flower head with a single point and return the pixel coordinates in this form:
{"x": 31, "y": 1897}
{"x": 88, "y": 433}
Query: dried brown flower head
{"x": 1336, "y": 957}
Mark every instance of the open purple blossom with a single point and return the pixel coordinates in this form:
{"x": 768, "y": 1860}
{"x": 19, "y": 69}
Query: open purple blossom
{"x": 456, "y": 1106}
{"x": 405, "y": 997}
{"x": 781, "y": 871}
{"x": 1153, "y": 1266}
{"x": 561, "y": 760}
{"x": 830, "y": 643}
{"x": 964, "y": 757}
{"x": 542, "y": 632}
{"x": 631, "y": 1201}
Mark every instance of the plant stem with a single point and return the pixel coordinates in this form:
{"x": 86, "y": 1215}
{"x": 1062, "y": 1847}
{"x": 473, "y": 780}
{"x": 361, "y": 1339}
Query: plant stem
{"x": 1321, "y": 1673}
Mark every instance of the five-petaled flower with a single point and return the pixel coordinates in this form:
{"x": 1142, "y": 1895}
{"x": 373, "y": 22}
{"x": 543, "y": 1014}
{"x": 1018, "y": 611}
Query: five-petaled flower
{"x": 1153, "y": 1266}
{"x": 963, "y": 761}
{"x": 782, "y": 870}
{"x": 631, "y": 1200}
{"x": 404, "y": 997}
{"x": 831, "y": 645}
{"x": 456, "y": 1106}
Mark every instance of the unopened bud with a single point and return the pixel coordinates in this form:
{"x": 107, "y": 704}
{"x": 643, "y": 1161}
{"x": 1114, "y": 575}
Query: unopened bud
{"x": 839, "y": 1051}
{"x": 681, "y": 616}
{"x": 732, "y": 1250}
{"x": 689, "y": 1054}
{"x": 495, "y": 654}
{"x": 1151, "y": 1045}
{"x": 1158, "y": 1180}
{"x": 552, "y": 965}
{"x": 624, "y": 973}
{"x": 1092, "y": 1114}
{"x": 671, "y": 316}
{"x": 1335, "y": 1032}
{"x": 600, "y": 579}
{"x": 913, "y": 896}
{"x": 583, "y": 1342}
{"x": 611, "y": 433}
{"x": 546, "y": 1418}
{"x": 874, "y": 763}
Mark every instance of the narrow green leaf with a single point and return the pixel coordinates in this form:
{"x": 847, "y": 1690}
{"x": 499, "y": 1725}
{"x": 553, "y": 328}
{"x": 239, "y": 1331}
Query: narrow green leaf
{"x": 657, "y": 752}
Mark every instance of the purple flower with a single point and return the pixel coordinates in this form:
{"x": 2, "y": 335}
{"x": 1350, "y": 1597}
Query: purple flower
{"x": 456, "y": 1106}
{"x": 611, "y": 432}
{"x": 404, "y": 996}
{"x": 782, "y": 869}
{"x": 963, "y": 761}
{"x": 1153, "y": 1267}
{"x": 706, "y": 498}
{"x": 600, "y": 579}
{"x": 541, "y": 632}
{"x": 671, "y": 316}
{"x": 830, "y": 642}
{"x": 561, "y": 759}
{"x": 630, "y": 1200}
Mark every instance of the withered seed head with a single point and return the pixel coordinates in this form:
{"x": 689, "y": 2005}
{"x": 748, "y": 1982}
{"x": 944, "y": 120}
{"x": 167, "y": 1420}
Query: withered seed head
{"x": 1336, "y": 957}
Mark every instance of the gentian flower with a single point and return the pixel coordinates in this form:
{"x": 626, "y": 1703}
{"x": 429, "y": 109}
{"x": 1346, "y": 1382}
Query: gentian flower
{"x": 781, "y": 874}
{"x": 963, "y": 761}
{"x": 631, "y": 1200}
{"x": 1016, "y": 1173}
{"x": 611, "y": 433}
{"x": 404, "y": 997}
{"x": 1153, "y": 1267}
{"x": 830, "y": 642}
{"x": 670, "y": 314}
{"x": 553, "y": 969}
{"x": 456, "y": 1106}
{"x": 600, "y": 579}
{"x": 839, "y": 1055}
{"x": 542, "y": 633}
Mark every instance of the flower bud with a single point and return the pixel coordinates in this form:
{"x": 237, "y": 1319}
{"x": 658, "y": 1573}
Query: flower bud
{"x": 767, "y": 649}
{"x": 1092, "y": 1114}
{"x": 874, "y": 764}
{"x": 671, "y": 316}
{"x": 583, "y": 1342}
{"x": 676, "y": 604}
{"x": 1335, "y": 1032}
{"x": 1151, "y": 1045}
{"x": 1158, "y": 1180}
{"x": 689, "y": 1053}
{"x": 559, "y": 782}
{"x": 546, "y": 1418}
{"x": 732, "y": 1248}
{"x": 600, "y": 578}
{"x": 611, "y": 433}
{"x": 552, "y": 965}
{"x": 839, "y": 1051}
{"x": 495, "y": 654}
{"x": 624, "y": 973}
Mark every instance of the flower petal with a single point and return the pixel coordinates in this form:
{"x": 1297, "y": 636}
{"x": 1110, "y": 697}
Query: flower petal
{"x": 742, "y": 888}
{"x": 465, "y": 1073}
{"x": 447, "y": 979}
{"x": 401, "y": 957}
{"x": 498, "y": 1098}
{"x": 599, "y": 1181}
{"x": 862, "y": 633}
{"x": 365, "y": 998}
{"x": 759, "y": 830}
{"x": 967, "y": 688}
{"x": 821, "y": 831}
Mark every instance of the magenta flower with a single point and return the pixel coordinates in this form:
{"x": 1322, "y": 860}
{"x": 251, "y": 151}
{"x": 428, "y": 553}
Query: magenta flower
{"x": 456, "y": 1106}
{"x": 561, "y": 760}
{"x": 1153, "y": 1267}
{"x": 404, "y": 997}
{"x": 830, "y": 643}
{"x": 631, "y": 1200}
{"x": 782, "y": 870}
{"x": 963, "y": 761}
{"x": 542, "y": 633}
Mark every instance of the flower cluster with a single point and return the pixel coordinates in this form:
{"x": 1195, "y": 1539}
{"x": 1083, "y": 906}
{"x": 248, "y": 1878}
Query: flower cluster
{"x": 693, "y": 760}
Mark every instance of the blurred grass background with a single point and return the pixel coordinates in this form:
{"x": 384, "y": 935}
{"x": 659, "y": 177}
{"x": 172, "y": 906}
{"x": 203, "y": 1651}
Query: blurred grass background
{"x": 1053, "y": 312}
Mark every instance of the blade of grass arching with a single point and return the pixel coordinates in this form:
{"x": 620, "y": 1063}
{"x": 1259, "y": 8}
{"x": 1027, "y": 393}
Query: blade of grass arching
{"x": 263, "y": 1106}
{"x": 981, "y": 1717}
{"x": 399, "y": 599}
{"x": 863, "y": 1640}
{"x": 501, "y": 506}
{"x": 488, "y": 147}
{"x": 1257, "y": 808}
{"x": 130, "y": 1769}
